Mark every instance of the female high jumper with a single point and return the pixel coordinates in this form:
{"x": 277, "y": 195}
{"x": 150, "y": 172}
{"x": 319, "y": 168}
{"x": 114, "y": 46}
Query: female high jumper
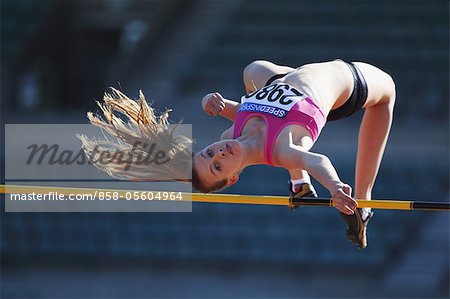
{"x": 276, "y": 123}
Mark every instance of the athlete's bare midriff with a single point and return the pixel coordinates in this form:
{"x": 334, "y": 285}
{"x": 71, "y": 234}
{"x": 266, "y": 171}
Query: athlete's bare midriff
{"x": 310, "y": 79}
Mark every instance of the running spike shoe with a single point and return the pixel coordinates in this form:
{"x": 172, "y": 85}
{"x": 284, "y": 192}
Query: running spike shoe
{"x": 356, "y": 228}
{"x": 301, "y": 190}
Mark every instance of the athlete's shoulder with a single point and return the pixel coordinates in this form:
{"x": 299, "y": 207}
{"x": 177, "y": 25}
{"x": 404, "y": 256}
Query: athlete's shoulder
{"x": 228, "y": 133}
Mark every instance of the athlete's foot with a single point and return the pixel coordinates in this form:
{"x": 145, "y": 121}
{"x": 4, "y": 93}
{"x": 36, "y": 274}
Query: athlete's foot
{"x": 301, "y": 190}
{"x": 357, "y": 226}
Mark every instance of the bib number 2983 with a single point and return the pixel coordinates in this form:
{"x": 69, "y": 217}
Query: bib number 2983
{"x": 275, "y": 93}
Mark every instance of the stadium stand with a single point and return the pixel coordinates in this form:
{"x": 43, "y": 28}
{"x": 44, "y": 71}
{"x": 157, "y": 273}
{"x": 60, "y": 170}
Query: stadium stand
{"x": 409, "y": 39}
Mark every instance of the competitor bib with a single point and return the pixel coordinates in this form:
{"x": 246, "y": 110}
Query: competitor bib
{"x": 276, "y": 99}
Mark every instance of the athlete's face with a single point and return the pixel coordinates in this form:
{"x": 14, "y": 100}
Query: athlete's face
{"x": 218, "y": 161}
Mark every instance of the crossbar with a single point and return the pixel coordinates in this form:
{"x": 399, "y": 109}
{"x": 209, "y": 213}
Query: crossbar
{"x": 243, "y": 199}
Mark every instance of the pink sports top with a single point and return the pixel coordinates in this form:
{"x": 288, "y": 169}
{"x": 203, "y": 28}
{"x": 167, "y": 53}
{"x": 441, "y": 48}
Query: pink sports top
{"x": 279, "y": 105}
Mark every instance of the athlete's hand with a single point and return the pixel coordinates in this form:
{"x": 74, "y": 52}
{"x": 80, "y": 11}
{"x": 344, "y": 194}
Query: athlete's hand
{"x": 342, "y": 200}
{"x": 213, "y": 103}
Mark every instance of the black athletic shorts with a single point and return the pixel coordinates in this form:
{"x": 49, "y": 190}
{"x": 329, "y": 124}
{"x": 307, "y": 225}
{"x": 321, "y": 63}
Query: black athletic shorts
{"x": 356, "y": 100}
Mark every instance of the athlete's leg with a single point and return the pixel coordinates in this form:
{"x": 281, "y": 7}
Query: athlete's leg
{"x": 257, "y": 73}
{"x": 375, "y": 127}
{"x": 300, "y": 184}
{"x": 298, "y": 174}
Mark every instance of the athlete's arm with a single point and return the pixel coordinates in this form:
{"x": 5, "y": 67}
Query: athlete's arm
{"x": 321, "y": 168}
{"x": 214, "y": 104}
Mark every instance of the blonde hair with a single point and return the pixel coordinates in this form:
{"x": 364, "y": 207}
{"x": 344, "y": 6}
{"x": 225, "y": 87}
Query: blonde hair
{"x": 131, "y": 138}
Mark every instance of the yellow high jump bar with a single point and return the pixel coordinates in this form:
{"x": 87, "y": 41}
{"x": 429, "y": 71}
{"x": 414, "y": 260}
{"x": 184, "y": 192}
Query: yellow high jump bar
{"x": 241, "y": 199}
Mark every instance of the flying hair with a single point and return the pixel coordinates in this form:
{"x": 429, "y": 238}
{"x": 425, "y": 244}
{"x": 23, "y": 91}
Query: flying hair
{"x": 132, "y": 128}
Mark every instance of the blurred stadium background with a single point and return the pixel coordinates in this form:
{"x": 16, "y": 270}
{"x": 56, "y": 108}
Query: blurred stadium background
{"x": 58, "y": 56}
